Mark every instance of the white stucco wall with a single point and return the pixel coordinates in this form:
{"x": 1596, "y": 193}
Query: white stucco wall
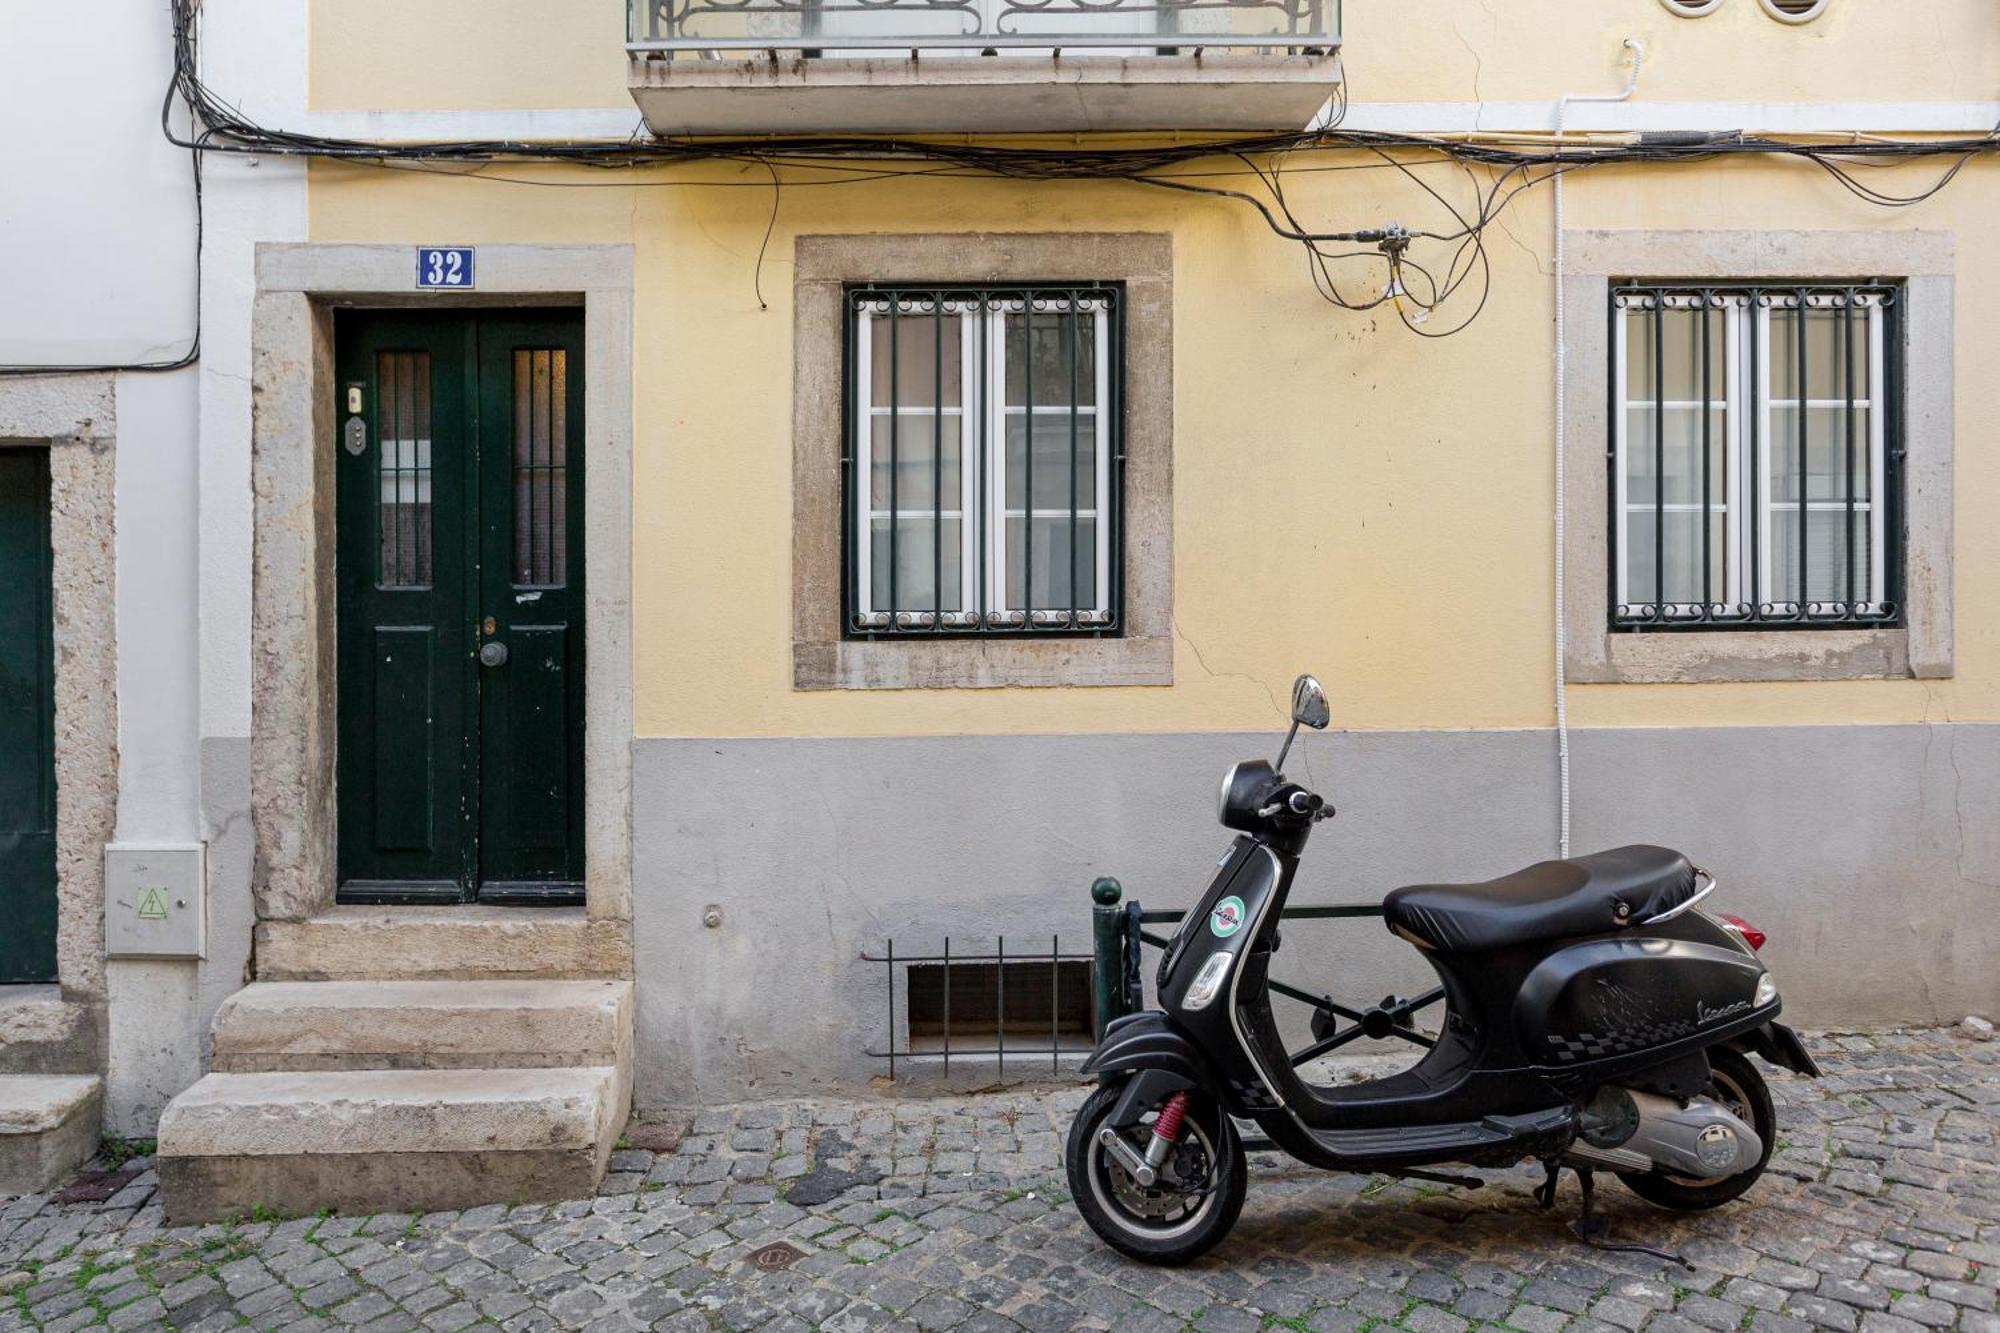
{"x": 97, "y": 234}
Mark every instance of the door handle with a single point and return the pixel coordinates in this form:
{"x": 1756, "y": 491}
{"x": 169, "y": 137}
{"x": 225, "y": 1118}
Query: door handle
{"x": 493, "y": 653}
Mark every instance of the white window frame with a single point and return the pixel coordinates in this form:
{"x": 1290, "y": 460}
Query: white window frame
{"x": 983, "y": 413}
{"x": 1748, "y": 325}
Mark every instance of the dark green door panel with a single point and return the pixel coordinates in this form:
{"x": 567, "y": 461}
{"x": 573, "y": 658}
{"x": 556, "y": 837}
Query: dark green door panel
{"x": 27, "y": 722}
{"x": 459, "y": 529}
{"x": 405, "y": 771}
{"x": 531, "y": 568}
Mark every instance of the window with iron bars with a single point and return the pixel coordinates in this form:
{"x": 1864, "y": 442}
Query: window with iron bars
{"x": 984, "y": 459}
{"x": 1755, "y": 450}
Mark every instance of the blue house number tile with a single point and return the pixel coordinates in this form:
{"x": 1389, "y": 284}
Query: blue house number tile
{"x": 444, "y": 266}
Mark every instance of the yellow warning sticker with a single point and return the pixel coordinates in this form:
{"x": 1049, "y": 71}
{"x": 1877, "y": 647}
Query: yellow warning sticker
{"x": 152, "y": 904}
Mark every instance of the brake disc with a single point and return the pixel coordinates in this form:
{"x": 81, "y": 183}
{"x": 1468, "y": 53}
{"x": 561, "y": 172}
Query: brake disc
{"x": 1183, "y": 1180}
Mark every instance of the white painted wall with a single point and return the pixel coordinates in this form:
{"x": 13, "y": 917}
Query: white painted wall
{"x": 97, "y": 234}
{"x": 96, "y": 217}
{"x": 253, "y": 52}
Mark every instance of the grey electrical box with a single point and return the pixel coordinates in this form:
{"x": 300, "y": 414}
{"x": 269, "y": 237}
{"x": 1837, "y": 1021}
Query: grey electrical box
{"x": 154, "y": 905}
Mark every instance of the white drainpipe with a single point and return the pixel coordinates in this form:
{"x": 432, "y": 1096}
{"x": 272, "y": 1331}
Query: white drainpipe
{"x": 1638, "y": 50}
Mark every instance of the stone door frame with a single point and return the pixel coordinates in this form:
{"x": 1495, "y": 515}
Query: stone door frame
{"x": 292, "y": 726}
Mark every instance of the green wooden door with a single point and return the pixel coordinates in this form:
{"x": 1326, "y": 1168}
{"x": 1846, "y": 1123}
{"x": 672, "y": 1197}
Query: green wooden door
{"x": 459, "y": 515}
{"x": 27, "y": 722}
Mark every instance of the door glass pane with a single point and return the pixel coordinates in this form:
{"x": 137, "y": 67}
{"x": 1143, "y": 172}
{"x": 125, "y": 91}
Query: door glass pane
{"x": 403, "y": 469}
{"x": 541, "y": 476}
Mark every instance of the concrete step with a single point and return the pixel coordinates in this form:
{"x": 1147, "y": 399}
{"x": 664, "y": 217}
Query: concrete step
{"x": 48, "y": 1128}
{"x": 300, "y": 1026}
{"x": 42, "y": 1033}
{"x": 397, "y": 1140}
{"x": 462, "y": 943}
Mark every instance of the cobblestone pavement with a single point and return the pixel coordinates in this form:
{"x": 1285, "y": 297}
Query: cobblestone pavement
{"x": 1881, "y": 1214}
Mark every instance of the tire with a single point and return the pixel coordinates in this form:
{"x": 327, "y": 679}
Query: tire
{"x": 1735, "y": 1083}
{"x": 1110, "y": 1199}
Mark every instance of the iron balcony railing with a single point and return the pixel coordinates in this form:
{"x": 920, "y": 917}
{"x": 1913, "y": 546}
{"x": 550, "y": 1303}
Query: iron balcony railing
{"x": 896, "y": 28}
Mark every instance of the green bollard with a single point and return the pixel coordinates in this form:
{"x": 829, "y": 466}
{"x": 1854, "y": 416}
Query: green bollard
{"x": 1107, "y": 929}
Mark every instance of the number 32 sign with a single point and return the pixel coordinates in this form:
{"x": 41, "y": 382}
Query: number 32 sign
{"x": 444, "y": 267}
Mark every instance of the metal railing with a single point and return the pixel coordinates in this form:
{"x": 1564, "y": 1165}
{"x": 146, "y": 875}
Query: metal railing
{"x": 1039, "y": 972}
{"x": 894, "y": 28}
{"x": 940, "y": 384}
{"x": 1755, "y": 460}
{"x": 1119, "y": 935}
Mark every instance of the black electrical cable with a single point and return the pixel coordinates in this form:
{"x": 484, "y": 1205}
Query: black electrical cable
{"x": 217, "y": 127}
{"x": 857, "y": 158}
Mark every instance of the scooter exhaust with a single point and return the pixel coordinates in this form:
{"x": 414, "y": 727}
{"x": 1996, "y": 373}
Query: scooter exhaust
{"x": 1627, "y": 1130}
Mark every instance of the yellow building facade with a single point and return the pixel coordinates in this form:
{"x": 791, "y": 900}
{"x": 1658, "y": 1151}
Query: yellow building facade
{"x": 1320, "y": 489}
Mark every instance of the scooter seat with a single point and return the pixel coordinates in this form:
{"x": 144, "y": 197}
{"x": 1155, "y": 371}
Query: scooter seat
{"x": 1585, "y": 895}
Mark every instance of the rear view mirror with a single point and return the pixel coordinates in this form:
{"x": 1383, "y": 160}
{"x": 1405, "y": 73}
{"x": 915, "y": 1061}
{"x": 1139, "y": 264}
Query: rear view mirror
{"x": 1309, "y": 706}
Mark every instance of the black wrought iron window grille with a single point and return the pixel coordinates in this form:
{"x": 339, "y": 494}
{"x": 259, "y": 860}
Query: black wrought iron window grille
{"x": 1756, "y": 447}
{"x": 1028, "y": 1004}
{"x": 983, "y": 460}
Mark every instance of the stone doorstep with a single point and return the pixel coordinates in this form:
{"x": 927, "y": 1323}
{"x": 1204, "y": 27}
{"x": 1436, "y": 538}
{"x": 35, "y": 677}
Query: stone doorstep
{"x": 48, "y": 1127}
{"x": 460, "y": 943}
{"x": 387, "y": 1140}
{"x": 300, "y": 1026}
{"x": 43, "y": 1033}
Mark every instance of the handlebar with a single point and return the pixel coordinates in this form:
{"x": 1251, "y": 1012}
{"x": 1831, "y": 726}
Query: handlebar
{"x": 1299, "y": 803}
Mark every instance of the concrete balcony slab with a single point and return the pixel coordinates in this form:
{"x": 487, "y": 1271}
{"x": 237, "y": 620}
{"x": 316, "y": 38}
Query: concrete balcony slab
{"x": 788, "y": 93}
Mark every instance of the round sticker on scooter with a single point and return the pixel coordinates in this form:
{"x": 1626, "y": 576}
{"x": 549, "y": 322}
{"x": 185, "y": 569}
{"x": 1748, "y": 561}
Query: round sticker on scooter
{"x": 1226, "y": 919}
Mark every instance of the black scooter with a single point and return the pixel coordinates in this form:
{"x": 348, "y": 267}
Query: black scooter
{"x": 1594, "y": 1019}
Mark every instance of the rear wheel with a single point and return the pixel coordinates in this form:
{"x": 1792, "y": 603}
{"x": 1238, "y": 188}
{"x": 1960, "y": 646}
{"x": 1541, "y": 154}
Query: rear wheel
{"x": 1183, "y": 1214}
{"x": 1736, "y": 1084}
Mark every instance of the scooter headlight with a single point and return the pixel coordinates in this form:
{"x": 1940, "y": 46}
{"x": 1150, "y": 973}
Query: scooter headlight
{"x": 1767, "y": 991}
{"x": 1208, "y": 981}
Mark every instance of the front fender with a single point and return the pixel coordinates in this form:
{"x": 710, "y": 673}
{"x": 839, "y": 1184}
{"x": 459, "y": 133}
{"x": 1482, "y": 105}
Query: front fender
{"x": 1155, "y": 1059}
{"x": 1147, "y": 1040}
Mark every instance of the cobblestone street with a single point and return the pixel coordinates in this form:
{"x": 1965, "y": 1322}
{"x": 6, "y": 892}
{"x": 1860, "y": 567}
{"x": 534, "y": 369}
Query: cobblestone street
{"x": 1881, "y": 1214}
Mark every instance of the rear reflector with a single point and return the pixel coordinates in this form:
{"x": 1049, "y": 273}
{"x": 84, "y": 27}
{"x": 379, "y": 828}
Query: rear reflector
{"x": 1751, "y": 935}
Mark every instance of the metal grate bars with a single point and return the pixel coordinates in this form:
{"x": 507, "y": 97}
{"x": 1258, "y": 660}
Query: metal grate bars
{"x": 1056, "y": 981}
{"x": 983, "y": 460}
{"x": 1754, "y": 453}
{"x": 403, "y": 469}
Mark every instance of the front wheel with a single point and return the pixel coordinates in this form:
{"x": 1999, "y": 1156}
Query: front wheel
{"x": 1191, "y": 1207}
{"x": 1736, "y": 1084}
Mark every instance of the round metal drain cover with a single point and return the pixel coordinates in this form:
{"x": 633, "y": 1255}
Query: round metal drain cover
{"x": 776, "y": 1257}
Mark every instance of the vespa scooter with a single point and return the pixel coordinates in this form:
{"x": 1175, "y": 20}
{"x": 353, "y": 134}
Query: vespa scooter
{"x": 1594, "y": 1018}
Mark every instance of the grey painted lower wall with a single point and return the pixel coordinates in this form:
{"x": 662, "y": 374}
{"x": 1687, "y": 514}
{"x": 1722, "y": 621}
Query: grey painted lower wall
{"x": 225, "y": 817}
{"x": 1869, "y": 853}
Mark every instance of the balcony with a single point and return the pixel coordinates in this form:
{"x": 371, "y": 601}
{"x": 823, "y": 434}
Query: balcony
{"x": 707, "y": 67}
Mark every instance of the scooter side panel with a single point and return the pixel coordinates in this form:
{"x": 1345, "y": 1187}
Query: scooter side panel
{"x": 1609, "y": 997}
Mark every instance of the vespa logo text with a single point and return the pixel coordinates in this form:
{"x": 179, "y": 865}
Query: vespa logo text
{"x": 1227, "y": 918}
{"x": 1704, "y": 1014}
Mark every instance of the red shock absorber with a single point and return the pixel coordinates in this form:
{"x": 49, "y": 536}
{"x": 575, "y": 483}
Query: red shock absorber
{"x": 1167, "y": 1129}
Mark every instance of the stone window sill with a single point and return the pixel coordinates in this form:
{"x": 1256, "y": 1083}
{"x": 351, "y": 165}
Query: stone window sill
{"x": 1749, "y": 655}
{"x": 981, "y": 664}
